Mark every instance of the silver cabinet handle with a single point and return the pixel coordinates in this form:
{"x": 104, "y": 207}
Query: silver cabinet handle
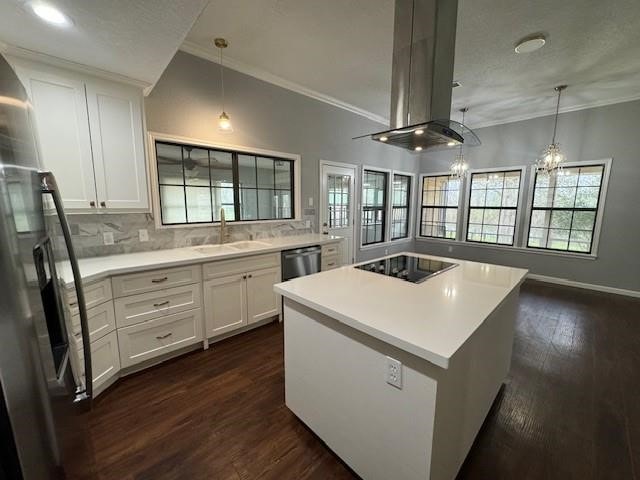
{"x": 166, "y": 302}
{"x": 159, "y": 280}
{"x": 166, "y": 335}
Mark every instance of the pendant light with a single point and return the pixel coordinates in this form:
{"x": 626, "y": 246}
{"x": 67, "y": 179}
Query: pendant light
{"x": 460, "y": 167}
{"x": 550, "y": 162}
{"x": 224, "y": 122}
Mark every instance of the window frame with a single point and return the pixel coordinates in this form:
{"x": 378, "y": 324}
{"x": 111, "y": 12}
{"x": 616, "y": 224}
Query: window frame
{"x": 606, "y": 163}
{"x": 154, "y": 184}
{"x": 410, "y": 194}
{"x": 388, "y": 207}
{"x": 517, "y": 236}
{"x": 420, "y": 206}
{"x": 385, "y": 205}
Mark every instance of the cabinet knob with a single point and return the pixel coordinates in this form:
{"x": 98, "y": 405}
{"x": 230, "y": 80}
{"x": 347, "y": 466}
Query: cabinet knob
{"x": 244, "y": 277}
{"x": 103, "y": 204}
{"x": 92, "y": 203}
{"x": 250, "y": 276}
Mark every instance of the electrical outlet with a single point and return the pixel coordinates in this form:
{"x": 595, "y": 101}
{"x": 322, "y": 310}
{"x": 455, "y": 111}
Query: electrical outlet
{"x": 307, "y": 223}
{"x": 386, "y": 251}
{"x": 450, "y": 249}
{"x": 311, "y": 201}
{"x": 394, "y": 372}
{"x": 143, "y": 235}
{"x": 108, "y": 238}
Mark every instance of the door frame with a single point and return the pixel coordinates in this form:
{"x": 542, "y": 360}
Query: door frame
{"x": 355, "y": 205}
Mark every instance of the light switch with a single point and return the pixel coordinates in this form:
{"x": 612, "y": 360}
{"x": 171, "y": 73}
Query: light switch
{"x": 143, "y": 235}
{"x": 108, "y": 238}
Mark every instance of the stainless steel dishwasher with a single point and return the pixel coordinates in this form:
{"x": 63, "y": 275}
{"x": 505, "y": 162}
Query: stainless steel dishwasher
{"x": 300, "y": 261}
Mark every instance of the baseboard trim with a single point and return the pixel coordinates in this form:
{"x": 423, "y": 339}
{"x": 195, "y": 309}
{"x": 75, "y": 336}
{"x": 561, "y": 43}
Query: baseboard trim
{"x": 586, "y": 286}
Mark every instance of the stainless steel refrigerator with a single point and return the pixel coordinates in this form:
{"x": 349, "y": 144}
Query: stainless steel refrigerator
{"x": 44, "y": 405}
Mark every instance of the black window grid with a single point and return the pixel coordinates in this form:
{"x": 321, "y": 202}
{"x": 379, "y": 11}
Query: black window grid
{"x": 338, "y": 210}
{"x": 441, "y": 224}
{"x": 499, "y": 209}
{"x": 235, "y": 186}
{"x": 572, "y": 210}
{"x": 400, "y": 212}
{"x": 374, "y": 215}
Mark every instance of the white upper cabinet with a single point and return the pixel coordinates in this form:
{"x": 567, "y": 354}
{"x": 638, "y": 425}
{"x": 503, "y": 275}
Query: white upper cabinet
{"x": 60, "y": 111}
{"x": 115, "y": 120}
{"x": 91, "y": 137}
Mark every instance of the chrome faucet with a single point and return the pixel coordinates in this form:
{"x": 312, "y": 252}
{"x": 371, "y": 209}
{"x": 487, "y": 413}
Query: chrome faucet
{"x": 224, "y": 231}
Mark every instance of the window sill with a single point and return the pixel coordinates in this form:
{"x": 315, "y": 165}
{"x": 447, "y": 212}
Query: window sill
{"x": 387, "y": 244}
{"x": 581, "y": 256}
{"x": 230, "y": 223}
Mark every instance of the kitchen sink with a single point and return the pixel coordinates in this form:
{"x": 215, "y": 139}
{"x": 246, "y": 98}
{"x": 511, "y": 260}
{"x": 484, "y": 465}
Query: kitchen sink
{"x": 230, "y": 247}
{"x": 247, "y": 244}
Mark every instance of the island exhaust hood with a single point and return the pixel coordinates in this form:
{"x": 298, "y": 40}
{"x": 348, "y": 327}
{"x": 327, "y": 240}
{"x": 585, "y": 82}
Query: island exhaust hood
{"x": 422, "y": 76}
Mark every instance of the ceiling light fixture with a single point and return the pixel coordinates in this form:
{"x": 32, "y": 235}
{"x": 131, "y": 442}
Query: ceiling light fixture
{"x": 418, "y": 149}
{"x": 224, "y": 122}
{"x": 419, "y": 131}
{"x": 550, "y": 162}
{"x": 50, "y": 14}
{"x": 384, "y": 139}
{"x": 460, "y": 167}
{"x": 530, "y": 44}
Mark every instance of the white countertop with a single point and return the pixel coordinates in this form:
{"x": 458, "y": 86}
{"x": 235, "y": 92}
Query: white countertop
{"x": 97, "y": 268}
{"x": 431, "y": 319}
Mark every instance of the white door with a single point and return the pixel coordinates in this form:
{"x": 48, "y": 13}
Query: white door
{"x": 225, "y": 304}
{"x": 115, "y": 118}
{"x": 337, "y": 197}
{"x": 60, "y": 111}
{"x": 262, "y": 301}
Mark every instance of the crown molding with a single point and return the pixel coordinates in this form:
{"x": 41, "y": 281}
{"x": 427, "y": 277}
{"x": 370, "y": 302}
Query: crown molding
{"x": 13, "y": 51}
{"x": 208, "y": 54}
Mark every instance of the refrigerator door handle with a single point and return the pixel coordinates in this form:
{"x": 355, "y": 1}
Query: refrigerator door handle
{"x": 49, "y": 185}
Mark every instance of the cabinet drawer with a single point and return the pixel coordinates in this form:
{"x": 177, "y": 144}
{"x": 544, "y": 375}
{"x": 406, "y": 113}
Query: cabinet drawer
{"x": 105, "y": 359}
{"x": 159, "y": 336}
{"x": 147, "y": 306}
{"x": 330, "y": 249}
{"x": 223, "y": 268}
{"x": 330, "y": 262}
{"x": 94, "y": 294}
{"x": 101, "y": 320}
{"x": 155, "y": 280}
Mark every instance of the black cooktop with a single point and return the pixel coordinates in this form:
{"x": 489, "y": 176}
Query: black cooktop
{"x": 407, "y": 267}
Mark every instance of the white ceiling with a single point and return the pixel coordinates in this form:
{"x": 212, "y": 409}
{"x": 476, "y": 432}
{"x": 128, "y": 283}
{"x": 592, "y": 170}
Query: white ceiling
{"x": 340, "y": 51}
{"x": 131, "y": 38}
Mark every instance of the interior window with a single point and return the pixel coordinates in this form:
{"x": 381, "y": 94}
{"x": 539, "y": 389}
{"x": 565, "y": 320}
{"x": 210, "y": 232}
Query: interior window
{"x": 565, "y": 209}
{"x": 195, "y": 183}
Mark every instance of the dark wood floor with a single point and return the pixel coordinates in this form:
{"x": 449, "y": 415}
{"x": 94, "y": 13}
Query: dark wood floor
{"x": 570, "y": 409}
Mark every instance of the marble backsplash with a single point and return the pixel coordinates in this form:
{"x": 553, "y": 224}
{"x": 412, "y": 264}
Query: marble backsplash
{"x": 88, "y": 233}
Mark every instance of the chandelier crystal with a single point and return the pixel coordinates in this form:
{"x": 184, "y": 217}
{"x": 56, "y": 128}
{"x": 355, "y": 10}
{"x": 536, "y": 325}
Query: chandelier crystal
{"x": 551, "y": 160}
{"x": 460, "y": 167}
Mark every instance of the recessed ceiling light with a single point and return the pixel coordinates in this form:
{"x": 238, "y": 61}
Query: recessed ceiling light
{"x": 451, "y": 144}
{"x": 418, "y": 149}
{"x": 383, "y": 139}
{"x": 419, "y": 131}
{"x": 530, "y": 44}
{"x": 50, "y": 14}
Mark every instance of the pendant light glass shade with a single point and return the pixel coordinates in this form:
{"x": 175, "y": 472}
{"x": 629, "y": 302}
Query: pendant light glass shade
{"x": 224, "y": 122}
{"x": 551, "y": 160}
{"x": 460, "y": 167}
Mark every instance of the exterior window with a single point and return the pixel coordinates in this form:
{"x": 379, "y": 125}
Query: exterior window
{"x": 565, "y": 209}
{"x": 439, "y": 207}
{"x": 374, "y": 201}
{"x": 493, "y": 207}
{"x": 339, "y": 193}
{"x": 196, "y": 183}
{"x": 401, "y": 201}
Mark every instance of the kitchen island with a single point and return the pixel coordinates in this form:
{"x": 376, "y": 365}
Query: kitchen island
{"x": 397, "y": 377}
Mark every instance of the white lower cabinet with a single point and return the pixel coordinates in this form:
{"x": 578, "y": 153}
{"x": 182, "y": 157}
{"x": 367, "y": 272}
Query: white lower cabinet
{"x": 262, "y": 302}
{"x": 225, "y": 305}
{"x": 238, "y": 300}
{"x": 152, "y": 338}
{"x": 105, "y": 360}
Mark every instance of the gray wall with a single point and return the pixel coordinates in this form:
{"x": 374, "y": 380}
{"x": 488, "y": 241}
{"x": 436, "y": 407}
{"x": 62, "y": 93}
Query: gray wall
{"x": 606, "y": 132}
{"x": 186, "y": 102}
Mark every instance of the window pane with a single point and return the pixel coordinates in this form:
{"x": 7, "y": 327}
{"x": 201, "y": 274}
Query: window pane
{"x": 266, "y": 172}
{"x": 221, "y": 168}
{"x": 196, "y": 166}
{"x": 564, "y": 197}
{"x": 198, "y": 204}
{"x": 169, "y": 158}
{"x": 583, "y": 221}
{"x": 223, "y": 199}
{"x": 172, "y": 202}
{"x": 374, "y": 188}
{"x": 247, "y": 170}
{"x": 283, "y": 174}
{"x": 587, "y": 197}
{"x": 283, "y": 204}
{"x": 540, "y": 218}
{"x": 561, "y": 219}
{"x": 543, "y": 197}
{"x": 248, "y": 204}
{"x": 488, "y": 222}
{"x": 266, "y": 204}
{"x": 400, "y": 203}
{"x": 591, "y": 176}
